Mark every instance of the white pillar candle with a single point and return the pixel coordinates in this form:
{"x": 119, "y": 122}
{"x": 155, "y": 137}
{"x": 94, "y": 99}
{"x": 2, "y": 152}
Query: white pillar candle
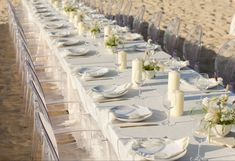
{"x": 137, "y": 67}
{"x": 56, "y": 4}
{"x": 178, "y": 107}
{"x": 107, "y": 30}
{"x": 122, "y": 60}
{"x": 173, "y": 82}
{"x": 81, "y": 28}
{"x": 77, "y": 19}
{"x": 71, "y": 16}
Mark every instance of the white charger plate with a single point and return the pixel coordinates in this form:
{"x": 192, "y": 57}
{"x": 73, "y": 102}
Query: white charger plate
{"x": 133, "y": 37}
{"x": 121, "y": 113}
{"x": 93, "y": 71}
{"x": 109, "y": 91}
{"x": 54, "y": 26}
{"x": 78, "y": 51}
{"x": 147, "y": 152}
{"x": 59, "y": 34}
{"x": 72, "y": 42}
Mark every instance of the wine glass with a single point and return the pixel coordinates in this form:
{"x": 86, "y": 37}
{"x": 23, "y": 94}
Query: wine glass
{"x": 200, "y": 135}
{"x": 139, "y": 83}
{"x": 175, "y": 63}
{"x": 167, "y": 104}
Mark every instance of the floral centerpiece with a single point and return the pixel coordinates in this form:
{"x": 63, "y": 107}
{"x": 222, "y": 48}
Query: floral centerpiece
{"x": 112, "y": 42}
{"x": 70, "y": 8}
{"x": 149, "y": 68}
{"x": 220, "y": 115}
{"x": 95, "y": 29}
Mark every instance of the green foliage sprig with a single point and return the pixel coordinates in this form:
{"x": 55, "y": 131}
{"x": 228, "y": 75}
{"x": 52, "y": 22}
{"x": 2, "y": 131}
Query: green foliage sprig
{"x": 70, "y": 8}
{"x": 112, "y": 41}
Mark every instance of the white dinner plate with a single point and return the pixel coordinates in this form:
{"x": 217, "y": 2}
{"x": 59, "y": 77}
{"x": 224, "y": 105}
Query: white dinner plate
{"x": 112, "y": 91}
{"x": 213, "y": 83}
{"x": 130, "y": 113}
{"x": 54, "y": 26}
{"x": 93, "y": 71}
{"x": 133, "y": 37}
{"x": 160, "y": 149}
{"x": 59, "y": 34}
{"x": 77, "y": 51}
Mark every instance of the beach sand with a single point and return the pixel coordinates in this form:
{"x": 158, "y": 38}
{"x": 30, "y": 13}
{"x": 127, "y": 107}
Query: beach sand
{"x": 15, "y": 137}
{"x": 15, "y": 142}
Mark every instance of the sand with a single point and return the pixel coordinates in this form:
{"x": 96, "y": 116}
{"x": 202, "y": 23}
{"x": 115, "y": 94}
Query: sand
{"x": 213, "y": 15}
{"x": 15, "y": 142}
{"x": 15, "y": 137}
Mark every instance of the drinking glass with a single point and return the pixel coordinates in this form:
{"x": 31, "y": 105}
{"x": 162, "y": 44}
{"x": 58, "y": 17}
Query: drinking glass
{"x": 200, "y": 135}
{"x": 175, "y": 63}
{"x": 168, "y": 106}
{"x": 139, "y": 84}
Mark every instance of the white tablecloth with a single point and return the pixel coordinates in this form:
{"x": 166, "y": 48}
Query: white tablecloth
{"x": 153, "y": 90}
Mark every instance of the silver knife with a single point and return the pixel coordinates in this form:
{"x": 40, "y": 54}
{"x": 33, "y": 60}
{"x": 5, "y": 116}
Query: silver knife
{"x": 112, "y": 100}
{"x": 128, "y": 125}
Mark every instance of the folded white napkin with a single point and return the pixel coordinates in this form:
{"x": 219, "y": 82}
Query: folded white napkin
{"x": 118, "y": 89}
{"x": 54, "y": 26}
{"x": 213, "y": 83}
{"x": 133, "y": 37}
{"x": 158, "y": 149}
{"x": 133, "y": 112}
{"x": 173, "y": 148}
{"x": 140, "y": 112}
{"x": 76, "y": 52}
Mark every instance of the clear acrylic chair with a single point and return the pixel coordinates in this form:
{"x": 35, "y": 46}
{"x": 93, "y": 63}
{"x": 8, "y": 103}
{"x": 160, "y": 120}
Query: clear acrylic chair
{"x": 61, "y": 120}
{"x": 171, "y": 36}
{"x": 225, "y": 63}
{"x": 88, "y": 145}
{"x": 138, "y": 20}
{"x": 126, "y": 14}
{"x": 116, "y": 9}
{"x": 154, "y": 27}
{"x": 120, "y": 11}
{"x": 192, "y": 47}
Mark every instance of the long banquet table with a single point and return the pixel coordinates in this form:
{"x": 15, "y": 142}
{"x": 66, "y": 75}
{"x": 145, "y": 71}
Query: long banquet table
{"x": 153, "y": 90}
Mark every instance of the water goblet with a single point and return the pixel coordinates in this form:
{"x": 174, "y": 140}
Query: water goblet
{"x": 200, "y": 135}
{"x": 167, "y": 104}
{"x": 139, "y": 83}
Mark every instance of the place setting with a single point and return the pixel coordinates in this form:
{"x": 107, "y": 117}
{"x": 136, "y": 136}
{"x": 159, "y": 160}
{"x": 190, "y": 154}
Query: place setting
{"x": 67, "y": 42}
{"x": 109, "y": 93}
{"x": 93, "y": 73}
{"x": 55, "y": 26}
{"x": 79, "y": 51}
{"x": 57, "y": 34}
{"x": 158, "y": 149}
{"x": 201, "y": 83}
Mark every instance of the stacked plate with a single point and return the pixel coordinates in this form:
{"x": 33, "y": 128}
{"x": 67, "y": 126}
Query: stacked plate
{"x": 133, "y": 37}
{"x": 131, "y": 113}
{"x": 88, "y": 73}
{"x": 214, "y": 83}
{"x": 77, "y": 52}
{"x": 69, "y": 42}
{"x": 59, "y": 34}
{"x": 160, "y": 149}
{"x": 54, "y": 26}
{"x": 101, "y": 92}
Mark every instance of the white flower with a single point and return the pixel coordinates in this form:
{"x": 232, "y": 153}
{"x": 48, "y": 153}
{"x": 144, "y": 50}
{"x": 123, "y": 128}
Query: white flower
{"x": 205, "y": 102}
{"x": 146, "y": 63}
{"x": 212, "y": 116}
